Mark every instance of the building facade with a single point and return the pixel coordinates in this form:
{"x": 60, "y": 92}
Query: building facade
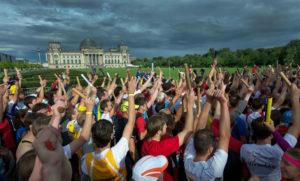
{"x": 5, "y": 57}
{"x": 22, "y": 60}
{"x": 87, "y": 55}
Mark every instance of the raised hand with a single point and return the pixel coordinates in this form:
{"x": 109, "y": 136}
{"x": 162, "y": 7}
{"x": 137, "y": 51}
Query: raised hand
{"x": 132, "y": 85}
{"x": 3, "y": 89}
{"x": 220, "y": 96}
{"x": 48, "y": 147}
{"x": 209, "y": 95}
{"x": 89, "y": 76}
{"x": 190, "y": 97}
{"x": 5, "y": 79}
{"x": 89, "y": 103}
{"x": 270, "y": 126}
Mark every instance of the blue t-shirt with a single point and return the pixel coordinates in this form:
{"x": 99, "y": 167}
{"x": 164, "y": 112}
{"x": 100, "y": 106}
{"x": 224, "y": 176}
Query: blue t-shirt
{"x": 239, "y": 129}
{"x": 19, "y": 134}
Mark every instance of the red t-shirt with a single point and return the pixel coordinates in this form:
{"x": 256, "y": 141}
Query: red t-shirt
{"x": 140, "y": 124}
{"x": 165, "y": 147}
{"x": 234, "y": 144}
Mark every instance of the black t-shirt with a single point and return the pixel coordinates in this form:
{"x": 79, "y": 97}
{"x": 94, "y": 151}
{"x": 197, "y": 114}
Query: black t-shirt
{"x": 119, "y": 124}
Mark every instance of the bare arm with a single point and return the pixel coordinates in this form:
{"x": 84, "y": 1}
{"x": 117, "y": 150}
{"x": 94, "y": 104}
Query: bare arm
{"x": 87, "y": 126}
{"x": 131, "y": 111}
{"x": 103, "y": 82}
{"x": 41, "y": 93}
{"x": 205, "y": 111}
{"x": 153, "y": 96}
{"x": 3, "y": 89}
{"x": 224, "y": 122}
{"x": 188, "y": 127}
{"x": 147, "y": 82}
{"x": 116, "y": 104}
{"x": 281, "y": 97}
{"x": 295, "y": 128}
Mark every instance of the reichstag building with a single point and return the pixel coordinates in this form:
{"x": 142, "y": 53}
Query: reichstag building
{"x": 87, "y": 55}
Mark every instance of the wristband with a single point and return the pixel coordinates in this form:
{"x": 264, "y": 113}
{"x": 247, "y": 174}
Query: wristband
{"x": 89, "y": 113}
{"x": 130, "y": 94}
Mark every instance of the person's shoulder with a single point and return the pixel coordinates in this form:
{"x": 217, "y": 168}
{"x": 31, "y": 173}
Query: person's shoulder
{"x": 247, "y": 146}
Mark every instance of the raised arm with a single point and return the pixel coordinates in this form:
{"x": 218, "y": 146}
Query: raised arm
{"x": 224, "y": 122}
{"x": 3, "y": 89}
{"x": 76, "y": 144}
{"x": 103, "y": 82}
{"x": 205, "y": 111}
{"x": 94, "y": 79}
{"x": 117, "y": 103}
{"x": 76, "y": 96}
{"x": 41, "y": 93}
{"x": 295, "y": 128}
{"x": 144, "y": 86}
{"x": 188, "y": 127}
{"x": 281, "y": 97}
{"x": 154, "y": 95}
{"x": 131, "y": 111}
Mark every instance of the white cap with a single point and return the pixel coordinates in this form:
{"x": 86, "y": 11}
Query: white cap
{"x": 149, "y": 168}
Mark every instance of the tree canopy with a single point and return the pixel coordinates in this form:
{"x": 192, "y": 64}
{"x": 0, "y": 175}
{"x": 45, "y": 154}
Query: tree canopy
{"x": 261, "y": 56}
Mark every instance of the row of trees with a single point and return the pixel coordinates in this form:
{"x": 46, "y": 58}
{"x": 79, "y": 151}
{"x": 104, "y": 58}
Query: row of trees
{"x": 8, "y": 64}
{"x": 262, "y": 56}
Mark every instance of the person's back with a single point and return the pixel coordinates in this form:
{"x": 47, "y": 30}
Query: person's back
{"x": 203, "y": 160}
{"x": 204, "y": 170}
{"x": 108, "y": 163}
{"x": 261, "y": 158}
{"x": 105, "y": 163}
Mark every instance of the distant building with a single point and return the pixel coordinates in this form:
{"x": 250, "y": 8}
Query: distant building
{"x": 45, "y": 65}
{"x": 5, "y": 57}
{"x": 22, "y": 60}
{"x": 87, "y": 55}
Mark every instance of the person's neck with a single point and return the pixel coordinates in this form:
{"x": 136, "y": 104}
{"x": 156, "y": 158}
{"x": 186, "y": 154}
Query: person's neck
{"x": 259, "y": 110}
{"x": 29, "y": 135}
{"x": 155, "y": 138}
{"x": 125, "y": 116}
{"x": 233, "y": 108}
{"x": 198, "y": 158}
{"x": 105, "y": 112}
{"x": 99, "y": 150}
{"x": 263, "y": 141}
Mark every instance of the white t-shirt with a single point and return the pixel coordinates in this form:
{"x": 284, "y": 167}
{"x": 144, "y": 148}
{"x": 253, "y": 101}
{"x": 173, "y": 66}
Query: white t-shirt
{"x": 67, "y": 151}
{"x": 263, "y": 160}
{"x": 119, "y": 152}
{"x": 106, "y": 116}
{"x": 204, "y": 170}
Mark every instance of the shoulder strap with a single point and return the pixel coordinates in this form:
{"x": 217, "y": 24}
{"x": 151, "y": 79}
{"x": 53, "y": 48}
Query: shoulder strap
{"x": 26, "y": 141}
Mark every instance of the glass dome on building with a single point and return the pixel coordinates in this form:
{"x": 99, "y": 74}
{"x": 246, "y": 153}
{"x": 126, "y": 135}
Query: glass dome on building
{"x": 87, "y": 43}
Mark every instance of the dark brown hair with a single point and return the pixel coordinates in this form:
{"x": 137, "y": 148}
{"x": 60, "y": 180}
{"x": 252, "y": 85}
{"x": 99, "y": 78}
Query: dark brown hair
{"x": 203, "y": 140}
{"x": 155, "y": 123}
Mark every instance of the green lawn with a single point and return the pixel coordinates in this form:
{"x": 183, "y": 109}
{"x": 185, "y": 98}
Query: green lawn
{"x": 30, "y": 79}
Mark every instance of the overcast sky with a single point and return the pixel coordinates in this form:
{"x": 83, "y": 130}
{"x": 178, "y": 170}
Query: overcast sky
{"x": 151, "y": 28}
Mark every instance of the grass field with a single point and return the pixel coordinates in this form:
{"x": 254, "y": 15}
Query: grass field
{"x": 30, "y": 79}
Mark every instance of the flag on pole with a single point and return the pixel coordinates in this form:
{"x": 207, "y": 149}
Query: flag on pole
{"x": 152, "y": 65}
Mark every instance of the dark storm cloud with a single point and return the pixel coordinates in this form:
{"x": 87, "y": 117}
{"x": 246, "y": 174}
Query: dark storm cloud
{"x": 150, "y": 28}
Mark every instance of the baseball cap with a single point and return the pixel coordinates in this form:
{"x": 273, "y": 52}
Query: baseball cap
{"x": 149, "y": 168}
{"x": 124, "y": 106}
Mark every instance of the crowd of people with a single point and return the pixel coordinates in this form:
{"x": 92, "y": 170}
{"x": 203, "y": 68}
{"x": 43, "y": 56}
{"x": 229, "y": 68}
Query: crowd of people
{"x": 205, "y": 126}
